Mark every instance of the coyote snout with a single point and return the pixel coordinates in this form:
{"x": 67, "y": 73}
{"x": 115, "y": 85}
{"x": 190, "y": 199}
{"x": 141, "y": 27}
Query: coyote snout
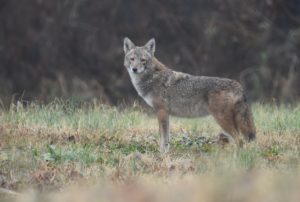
{"x": 174, "y": 93}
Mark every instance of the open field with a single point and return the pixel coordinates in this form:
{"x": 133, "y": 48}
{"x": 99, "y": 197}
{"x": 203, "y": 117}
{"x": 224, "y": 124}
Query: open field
{"x": 108, "y": 150}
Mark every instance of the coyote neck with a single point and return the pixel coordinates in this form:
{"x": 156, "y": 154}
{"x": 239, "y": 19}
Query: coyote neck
{"x": 145, "y": 83}
{"x": 158, "y": 66}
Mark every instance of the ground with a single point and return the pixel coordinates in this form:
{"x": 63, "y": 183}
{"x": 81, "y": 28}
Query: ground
{"x": 59, "y": 148}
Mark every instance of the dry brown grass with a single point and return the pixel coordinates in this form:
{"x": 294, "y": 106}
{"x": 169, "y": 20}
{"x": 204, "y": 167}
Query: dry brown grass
{"x": 58, "y": 149}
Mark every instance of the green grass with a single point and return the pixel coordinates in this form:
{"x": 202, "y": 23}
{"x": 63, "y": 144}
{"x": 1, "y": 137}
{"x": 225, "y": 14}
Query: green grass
{"x": 48, "y": 147}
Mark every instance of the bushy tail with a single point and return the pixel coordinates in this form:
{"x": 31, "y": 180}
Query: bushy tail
{"x": 244, "y": 120}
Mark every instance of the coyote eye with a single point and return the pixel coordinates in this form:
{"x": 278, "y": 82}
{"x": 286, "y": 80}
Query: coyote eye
{"x": 132, "y": 59}
{"x": 143, "y": 60}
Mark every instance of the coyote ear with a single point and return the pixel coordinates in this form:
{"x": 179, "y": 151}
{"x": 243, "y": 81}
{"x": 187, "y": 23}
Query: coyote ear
{"x": 150, "y": 46}
{"x": 128, "y": 45}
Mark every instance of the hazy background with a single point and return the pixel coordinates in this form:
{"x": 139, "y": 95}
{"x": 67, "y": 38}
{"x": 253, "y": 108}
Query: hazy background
{"x": 74, "y": 48}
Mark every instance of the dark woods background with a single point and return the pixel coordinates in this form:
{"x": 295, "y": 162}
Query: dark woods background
{"x": 74, "y": 48}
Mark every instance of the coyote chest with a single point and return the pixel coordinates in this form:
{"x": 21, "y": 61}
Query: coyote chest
{"x": 141, "y": 90}
{"x": 149, "y": 100}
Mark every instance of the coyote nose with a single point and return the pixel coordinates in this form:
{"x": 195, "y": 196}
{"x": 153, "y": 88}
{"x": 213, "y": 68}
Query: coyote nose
{"x": 134, "y": 70}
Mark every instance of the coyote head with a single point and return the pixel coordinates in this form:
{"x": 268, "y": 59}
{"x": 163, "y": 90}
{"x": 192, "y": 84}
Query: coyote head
{"x": 138, "y": 60}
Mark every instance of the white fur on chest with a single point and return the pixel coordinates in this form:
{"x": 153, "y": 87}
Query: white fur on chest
{"x": 134, "y": 81}
{"x": 148, "y": 99}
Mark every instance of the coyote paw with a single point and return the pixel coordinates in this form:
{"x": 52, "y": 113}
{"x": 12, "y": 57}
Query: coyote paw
{"x": 164, "y": 148}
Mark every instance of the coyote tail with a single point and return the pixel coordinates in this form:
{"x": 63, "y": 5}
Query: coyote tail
{"x": 244, "y": 120}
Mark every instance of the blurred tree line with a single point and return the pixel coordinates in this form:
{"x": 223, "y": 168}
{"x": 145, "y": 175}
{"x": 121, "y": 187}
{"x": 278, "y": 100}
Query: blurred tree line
{"x": 74, "y": 48}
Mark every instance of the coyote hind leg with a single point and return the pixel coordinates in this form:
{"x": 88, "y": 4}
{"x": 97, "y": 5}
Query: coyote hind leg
{"x": 227, "y": 123}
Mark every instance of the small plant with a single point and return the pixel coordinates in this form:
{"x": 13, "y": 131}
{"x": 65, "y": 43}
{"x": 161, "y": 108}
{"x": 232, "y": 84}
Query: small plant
{"x": 199, "y": 143}
{"x": 53, "y": 155}
{"x": 271, "y": 152}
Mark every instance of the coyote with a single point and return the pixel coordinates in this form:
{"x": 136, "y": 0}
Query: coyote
{"x": 170, "y": 92}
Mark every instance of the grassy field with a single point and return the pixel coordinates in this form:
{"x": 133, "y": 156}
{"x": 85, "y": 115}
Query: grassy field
{"x": 94, "y": 151}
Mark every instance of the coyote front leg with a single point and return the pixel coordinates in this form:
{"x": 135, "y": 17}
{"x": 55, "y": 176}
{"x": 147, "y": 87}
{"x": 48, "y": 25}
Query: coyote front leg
{"x": 163, "y": 120}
